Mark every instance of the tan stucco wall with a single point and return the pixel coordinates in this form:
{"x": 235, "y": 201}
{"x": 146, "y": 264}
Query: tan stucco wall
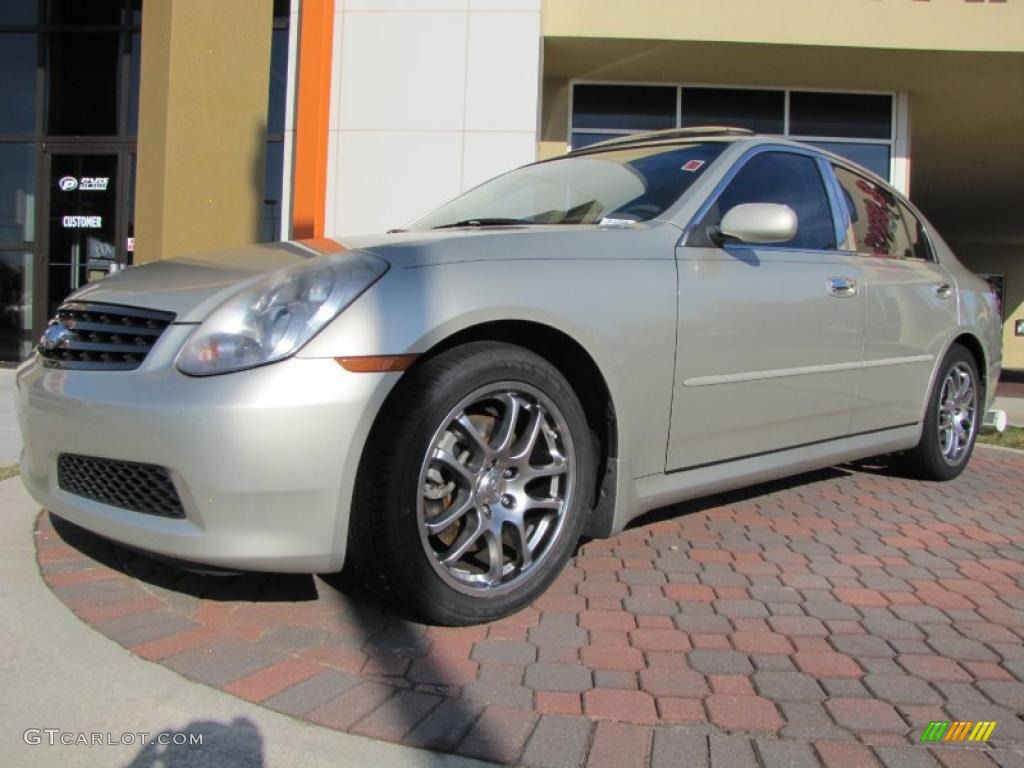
{"x": 202, "y": 125}
{"x": 955, "y": 25}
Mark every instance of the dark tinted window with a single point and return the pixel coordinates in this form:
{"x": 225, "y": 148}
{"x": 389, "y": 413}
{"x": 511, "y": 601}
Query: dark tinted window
{"x": 785, "y": 179}
{"x": 278, "y": 81}
{"x": 273, "y": 180}
{"x": 876, "y": 217}
{"x": 852, "y": 115}
{"x": 631, "y": 107}
{"x": 17, "y": 193}
{"x": 281, "y": 10}
{"x": 83, "y": 97}
{"x": 760, "y": 111}
{"x": 18, "y": 12}
{"x": 17, "y": 83}
{"x": 91, "y": 12}
{"x": 15, "y": 309}
{"x": 134, "y": 72}
{"x": 919, "y": 245}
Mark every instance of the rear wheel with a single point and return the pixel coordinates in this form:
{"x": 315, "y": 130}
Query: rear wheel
{"x": 952, "y": 419}
{"x": 474, "y": 486}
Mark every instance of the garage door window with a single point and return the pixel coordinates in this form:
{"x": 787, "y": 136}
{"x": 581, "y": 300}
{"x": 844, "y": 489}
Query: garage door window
{"x": 857, "y": 126}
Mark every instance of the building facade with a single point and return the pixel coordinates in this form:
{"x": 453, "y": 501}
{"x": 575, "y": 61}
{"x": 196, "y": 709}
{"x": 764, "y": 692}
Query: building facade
{"x": 259, "y": 120}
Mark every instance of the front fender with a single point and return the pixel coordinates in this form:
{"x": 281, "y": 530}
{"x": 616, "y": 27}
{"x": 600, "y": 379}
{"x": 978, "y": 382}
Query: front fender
{"x": 622, "y": 312}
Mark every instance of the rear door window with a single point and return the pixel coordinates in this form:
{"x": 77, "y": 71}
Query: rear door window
{"x": 783, "y": 178}
{"x": 877, "y": 218}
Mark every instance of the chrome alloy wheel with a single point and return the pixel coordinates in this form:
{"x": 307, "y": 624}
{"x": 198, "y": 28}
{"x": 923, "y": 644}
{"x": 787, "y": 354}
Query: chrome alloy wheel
{"x": 495, "y": 488}
{"x": 958, "y": 405}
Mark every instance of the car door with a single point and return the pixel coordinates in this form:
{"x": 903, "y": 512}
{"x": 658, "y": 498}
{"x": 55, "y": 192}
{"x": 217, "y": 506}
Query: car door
{"x": 769, "y": 336}
{"x": 910, "y": 301}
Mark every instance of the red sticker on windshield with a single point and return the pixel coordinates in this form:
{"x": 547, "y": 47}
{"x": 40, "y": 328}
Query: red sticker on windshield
{"x": 693, "y": 165}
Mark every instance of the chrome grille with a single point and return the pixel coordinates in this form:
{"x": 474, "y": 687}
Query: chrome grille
{"x": 126, "y": 484}
{"x": 101, "y": 337}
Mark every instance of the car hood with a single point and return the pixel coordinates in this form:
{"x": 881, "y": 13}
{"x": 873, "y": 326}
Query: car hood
{"x": 193, "y": 286}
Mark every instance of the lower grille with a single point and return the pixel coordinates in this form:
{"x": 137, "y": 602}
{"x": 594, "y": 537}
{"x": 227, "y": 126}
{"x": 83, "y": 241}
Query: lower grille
{"x": 143, "y": 488}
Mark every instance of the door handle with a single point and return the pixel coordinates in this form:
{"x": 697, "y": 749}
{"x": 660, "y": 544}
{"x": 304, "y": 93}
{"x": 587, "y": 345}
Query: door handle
{"x": 841, "y": 287}
{"x": 943, "y": 290}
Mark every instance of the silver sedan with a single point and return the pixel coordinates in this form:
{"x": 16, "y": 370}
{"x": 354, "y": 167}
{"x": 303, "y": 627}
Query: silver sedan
{"x": 555, "y": 352}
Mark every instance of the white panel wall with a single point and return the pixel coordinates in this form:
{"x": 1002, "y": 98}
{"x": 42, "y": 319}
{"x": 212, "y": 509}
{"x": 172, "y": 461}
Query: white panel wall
{"x": 429, "y": 97}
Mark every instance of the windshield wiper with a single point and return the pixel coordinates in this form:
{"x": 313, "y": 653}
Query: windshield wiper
{"x": 485, "y": 222}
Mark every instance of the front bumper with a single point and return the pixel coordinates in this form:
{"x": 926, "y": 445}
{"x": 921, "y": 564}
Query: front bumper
{"x": 264, "y": 460}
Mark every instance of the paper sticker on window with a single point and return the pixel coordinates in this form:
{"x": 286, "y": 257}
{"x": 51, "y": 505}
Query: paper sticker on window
{"x": 692, "y": 165}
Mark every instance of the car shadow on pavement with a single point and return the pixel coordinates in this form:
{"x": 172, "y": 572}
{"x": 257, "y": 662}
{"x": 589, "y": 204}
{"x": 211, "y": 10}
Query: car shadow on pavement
{"x": 204, "y": 583}
{"x": 886, "y": 466}
{"x": 202, "y": 744}
{"x": 384, "y": 674}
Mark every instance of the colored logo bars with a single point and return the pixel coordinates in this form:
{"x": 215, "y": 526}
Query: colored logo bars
{"x": 958, "y": 730}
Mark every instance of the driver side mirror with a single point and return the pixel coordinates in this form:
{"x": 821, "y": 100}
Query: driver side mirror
{"x": 757, "y": 223}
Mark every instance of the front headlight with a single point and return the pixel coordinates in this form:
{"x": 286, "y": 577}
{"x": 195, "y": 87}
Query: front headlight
{"x": 275, "y": 317}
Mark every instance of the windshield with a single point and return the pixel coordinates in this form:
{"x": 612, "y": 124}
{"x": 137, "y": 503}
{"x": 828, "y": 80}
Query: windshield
{"x": 631, "y": 184}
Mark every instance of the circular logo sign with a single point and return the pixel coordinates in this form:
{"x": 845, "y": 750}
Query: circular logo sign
{"x": 68, "y": 183}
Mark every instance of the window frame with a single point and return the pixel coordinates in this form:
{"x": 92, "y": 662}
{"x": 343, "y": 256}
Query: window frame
{"x": 897, "y": 143}
{"x": 844, "y": 215}
{"x": 828, "y": 182}
{"x": 920, "y": 221}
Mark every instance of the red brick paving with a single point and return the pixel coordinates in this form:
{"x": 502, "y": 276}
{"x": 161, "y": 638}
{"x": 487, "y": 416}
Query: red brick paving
{"x": 864, "y": 603}
{"x": 618, "y": 704}
{"x": 743, "y": 713}
{"x": 619, "y": 745}
{"x": 271, "y": 680}
{"x": 840, "y": 755}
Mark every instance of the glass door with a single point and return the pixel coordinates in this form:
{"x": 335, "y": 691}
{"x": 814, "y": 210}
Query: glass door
{"x": 89, "y": 229}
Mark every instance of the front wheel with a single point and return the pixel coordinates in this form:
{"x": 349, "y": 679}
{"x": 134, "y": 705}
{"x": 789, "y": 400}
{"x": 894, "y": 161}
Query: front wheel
{"x": 952, "y": 419}
{"x": 474, "y": 486}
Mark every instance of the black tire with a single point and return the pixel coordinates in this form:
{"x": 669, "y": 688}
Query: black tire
{"x": 389, "y": 506}
{"x": 929, "y": 460}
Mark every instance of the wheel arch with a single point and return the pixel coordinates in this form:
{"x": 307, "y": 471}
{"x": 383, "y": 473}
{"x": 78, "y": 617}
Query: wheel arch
{"x": 973, "y": 345}
{"x": 581, "y": 370}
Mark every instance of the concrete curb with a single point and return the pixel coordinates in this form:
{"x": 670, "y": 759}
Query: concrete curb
{"x": 59, "y": 673}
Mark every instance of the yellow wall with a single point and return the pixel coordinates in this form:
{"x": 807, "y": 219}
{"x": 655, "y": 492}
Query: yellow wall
{"x": 202, "y": 125}
{"x": 936, "y": 25}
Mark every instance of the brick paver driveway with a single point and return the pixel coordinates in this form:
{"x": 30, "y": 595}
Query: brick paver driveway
{"x": 826, "y": 619}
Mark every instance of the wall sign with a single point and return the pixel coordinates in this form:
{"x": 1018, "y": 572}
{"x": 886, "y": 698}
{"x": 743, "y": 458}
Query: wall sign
{"x": 84, "y": 184}
{"x": 83, "y": 222}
